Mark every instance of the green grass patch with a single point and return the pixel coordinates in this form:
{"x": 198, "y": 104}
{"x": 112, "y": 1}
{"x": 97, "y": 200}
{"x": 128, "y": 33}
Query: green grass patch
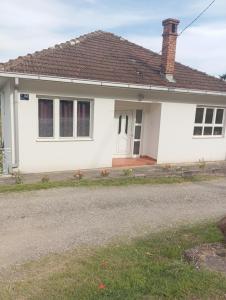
{"x": 100, "y": 182}
{"x": 147, "y": 268}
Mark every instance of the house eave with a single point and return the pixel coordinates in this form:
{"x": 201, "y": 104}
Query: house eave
{"x": 110, "y": 84}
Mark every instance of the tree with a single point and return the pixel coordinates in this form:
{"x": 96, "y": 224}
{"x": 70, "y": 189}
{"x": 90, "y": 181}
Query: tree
{"x": 223, "y": 76}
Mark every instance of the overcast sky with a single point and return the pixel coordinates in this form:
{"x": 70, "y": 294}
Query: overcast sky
{"x": 30, "y": 25}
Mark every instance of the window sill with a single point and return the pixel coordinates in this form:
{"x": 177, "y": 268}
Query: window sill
{"x": 208, "y": 137}
{"x": 64, "y": 139}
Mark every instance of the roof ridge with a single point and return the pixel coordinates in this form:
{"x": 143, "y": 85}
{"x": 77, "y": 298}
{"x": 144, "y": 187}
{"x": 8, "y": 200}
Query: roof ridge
{"x": 159, "y": 55}
{"x": 131, "y": 43}
{"x": 177, "y": 62}
{"x": 16, "y": 61}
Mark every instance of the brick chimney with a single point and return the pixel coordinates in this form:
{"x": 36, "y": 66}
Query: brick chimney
{"x": 169, "y": 48}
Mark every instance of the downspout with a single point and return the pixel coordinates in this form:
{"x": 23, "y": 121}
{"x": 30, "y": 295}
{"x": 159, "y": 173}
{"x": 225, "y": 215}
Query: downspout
{"x": 14, "y": 123}
{"x": 5, "y": 151}
{"x": 16, "y": 131}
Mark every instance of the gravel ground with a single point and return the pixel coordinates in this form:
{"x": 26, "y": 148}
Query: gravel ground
{"x": 33, "y": 224}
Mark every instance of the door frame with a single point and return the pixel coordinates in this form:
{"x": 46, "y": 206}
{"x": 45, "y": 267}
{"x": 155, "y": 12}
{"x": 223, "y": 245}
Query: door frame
{"x": 133, "y": 113}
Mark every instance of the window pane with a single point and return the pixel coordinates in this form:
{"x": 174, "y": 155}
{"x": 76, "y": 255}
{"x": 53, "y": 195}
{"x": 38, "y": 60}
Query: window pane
{"x": 197, "y": 131}
{"x": 209, "y": 116}
{"x": 199, "y": 115}
{"x": 127, "y": 123}
{"x": 219, "y": 116}
{"x": 208, "y": 130}
{"x": 45, "y": 115}
{"x": 66, "y": 118}
{"x": 137, "y": 133}
{"x": 119, "y": 124}
{"x": 136, "y": 149}
{"x": 218, "y": 130}
{"x": 83, "y": 119}
{"x": 138, "y": 116}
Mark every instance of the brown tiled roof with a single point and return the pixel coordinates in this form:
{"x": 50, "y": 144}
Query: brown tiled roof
{"x": 106, "y": 57}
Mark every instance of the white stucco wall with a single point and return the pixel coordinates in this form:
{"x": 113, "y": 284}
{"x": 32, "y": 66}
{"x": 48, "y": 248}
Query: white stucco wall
{"x": 176, "y": 142}
{"x": 152, "y": 127}
{"x": 167, "y": 133}
{"x": 59, "y": 155}
{"x": 7, "y": 126}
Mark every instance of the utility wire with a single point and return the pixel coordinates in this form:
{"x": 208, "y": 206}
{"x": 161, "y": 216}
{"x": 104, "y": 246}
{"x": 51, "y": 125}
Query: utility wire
{"x": 202, "y": 12}
{"x": 189, "y": 25}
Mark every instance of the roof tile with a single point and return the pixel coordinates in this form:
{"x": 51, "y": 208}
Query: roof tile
{"x": 107, "y": 57}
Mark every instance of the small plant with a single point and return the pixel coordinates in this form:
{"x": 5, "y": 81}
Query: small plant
{"x": 178, "y": 169}
{"x": 166, "y": 167}
{"x": 45, "y": 179}
{"x": 78, "y": 175}
{"x": 128, "y": 172}
{"x": 18, "y": 177}
{"x": 104, "y": 173}
{"x": 202, "y": 164}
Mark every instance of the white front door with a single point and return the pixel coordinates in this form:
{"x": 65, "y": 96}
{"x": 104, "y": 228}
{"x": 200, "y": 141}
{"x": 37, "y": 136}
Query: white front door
{"x": 123, "y": 130}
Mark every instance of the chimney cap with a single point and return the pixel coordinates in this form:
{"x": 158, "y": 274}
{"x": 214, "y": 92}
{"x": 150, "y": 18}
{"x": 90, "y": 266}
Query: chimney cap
{"x": 170, "y": 21}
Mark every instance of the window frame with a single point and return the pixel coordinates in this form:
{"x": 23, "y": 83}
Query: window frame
{"x": 90, "y": 121}
{"x": 138, "y": 124}
{"x": 73, "y": 111}
{"x": 212, "y": 125}
{"x": 56, "y": 119}
{"x": 38, "y": 133}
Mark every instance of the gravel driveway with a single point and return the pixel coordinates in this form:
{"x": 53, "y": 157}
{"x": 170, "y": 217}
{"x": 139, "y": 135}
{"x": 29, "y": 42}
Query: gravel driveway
{"x": 33, "y": 224}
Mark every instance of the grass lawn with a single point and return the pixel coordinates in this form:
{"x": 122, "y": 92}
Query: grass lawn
{"x": 123, "y": 181}
{"x": 147, "y": 268}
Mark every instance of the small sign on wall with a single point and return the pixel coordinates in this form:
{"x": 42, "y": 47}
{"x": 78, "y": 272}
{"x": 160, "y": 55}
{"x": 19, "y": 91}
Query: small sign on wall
{"x": 24, "y": 97}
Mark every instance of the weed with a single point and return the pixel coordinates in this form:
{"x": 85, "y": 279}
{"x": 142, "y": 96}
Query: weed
{"x": 45, "y": 179}
{"x": 78, "y": 175}
{"x": 128, "y": 172}
{"x": 104, "y": 173}
{"x": 18, "y": 177}
{"x": 202, "y": 164}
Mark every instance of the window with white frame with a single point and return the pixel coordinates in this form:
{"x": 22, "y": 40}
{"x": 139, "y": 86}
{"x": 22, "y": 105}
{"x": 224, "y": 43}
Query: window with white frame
{"x": 83, "y": 118}
{"x": 209, "y": 121}
{"x": 45, "y": 117}
{"x": 137, "y": 132}
{"x": 75, "y": 118}
{"x": 66, "y": 118}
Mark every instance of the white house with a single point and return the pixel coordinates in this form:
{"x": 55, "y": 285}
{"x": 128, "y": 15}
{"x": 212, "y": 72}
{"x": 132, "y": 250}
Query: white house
{"x": 82, "y": 103}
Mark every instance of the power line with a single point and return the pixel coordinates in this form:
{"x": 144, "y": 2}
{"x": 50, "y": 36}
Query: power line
{"x": 202, "y": 12}
{"x": 193, "y": 21}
